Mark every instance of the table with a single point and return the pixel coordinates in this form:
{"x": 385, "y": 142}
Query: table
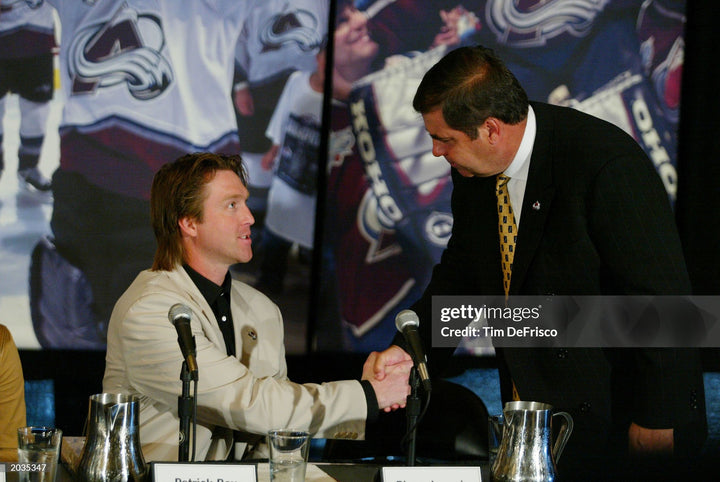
{"x": 63, "y": 475}
{"x": 344, "y": 472}
{"x": 316, "y": 472}
{"x": 319, "y": 472}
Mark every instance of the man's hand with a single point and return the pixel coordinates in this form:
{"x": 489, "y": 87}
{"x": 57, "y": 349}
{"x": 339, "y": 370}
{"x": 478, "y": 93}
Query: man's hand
{"x": 393, "y": 389}
{"x": 456, "y": 22}
{"x": 646, "y": 441}
{"x": 268, "y": 159}
{"x": 244, "y": 102}
{"x": 379, "y": 362}
{"x": 378, "y": 367}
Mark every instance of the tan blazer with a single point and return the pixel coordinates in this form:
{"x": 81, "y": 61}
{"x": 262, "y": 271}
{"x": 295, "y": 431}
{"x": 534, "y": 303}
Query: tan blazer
{"x": 12, "y": 396}
{"x": 250, "y": 393}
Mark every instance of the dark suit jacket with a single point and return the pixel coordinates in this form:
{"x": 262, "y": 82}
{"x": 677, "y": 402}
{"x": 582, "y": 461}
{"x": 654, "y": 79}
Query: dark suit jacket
{"x": 604, "y": 227}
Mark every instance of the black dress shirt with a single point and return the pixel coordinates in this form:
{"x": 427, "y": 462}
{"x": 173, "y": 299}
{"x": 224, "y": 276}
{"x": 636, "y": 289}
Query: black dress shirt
{"x": 218, "y": 297}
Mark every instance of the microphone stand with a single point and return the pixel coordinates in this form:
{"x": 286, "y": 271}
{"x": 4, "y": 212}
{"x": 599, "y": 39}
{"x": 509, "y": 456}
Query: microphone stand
{"x": 185, "y": 404}
{"x": 412, "y": 412}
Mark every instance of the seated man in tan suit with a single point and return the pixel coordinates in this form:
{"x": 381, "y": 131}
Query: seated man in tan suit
{"x": 202, "y": 226}
{"x": 12, "y": 396}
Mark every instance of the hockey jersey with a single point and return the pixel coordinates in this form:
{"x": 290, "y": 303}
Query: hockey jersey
{"x": 145, "y": 81}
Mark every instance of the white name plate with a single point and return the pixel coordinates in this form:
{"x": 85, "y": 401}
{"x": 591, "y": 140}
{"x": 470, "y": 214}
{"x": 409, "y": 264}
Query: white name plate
{"x": 199, "y": 472}
{"x": 431, "y": 474}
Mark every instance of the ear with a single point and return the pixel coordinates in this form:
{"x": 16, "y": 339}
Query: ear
{"x": 188, "y": 226}
{"x": 493, "y": 129}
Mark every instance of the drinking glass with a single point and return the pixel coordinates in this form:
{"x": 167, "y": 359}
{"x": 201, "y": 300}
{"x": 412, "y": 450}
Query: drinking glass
{"x": 38, "y": 453}
{"x": 289, "y": 451}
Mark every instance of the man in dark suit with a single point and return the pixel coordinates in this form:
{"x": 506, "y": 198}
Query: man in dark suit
{"x": 592, "y": 218}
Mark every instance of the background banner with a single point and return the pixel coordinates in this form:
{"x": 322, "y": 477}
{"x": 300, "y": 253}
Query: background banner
{"x": 618, "y": 60}
{"x": 386, "y": 214}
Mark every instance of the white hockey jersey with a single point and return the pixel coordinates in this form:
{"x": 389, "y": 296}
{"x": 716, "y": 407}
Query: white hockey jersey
{"x": 281, "y": 36}
{"x": 26, "y": 28}
{"x": 145, "y": 81}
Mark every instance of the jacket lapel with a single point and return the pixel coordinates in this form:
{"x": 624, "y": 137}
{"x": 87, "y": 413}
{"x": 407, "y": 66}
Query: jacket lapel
{"x": 539, "y": 194}
{"x": 198, "y": 305}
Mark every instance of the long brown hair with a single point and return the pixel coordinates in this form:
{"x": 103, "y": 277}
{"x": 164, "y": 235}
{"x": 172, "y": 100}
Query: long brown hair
{"x": 178, "y": 191}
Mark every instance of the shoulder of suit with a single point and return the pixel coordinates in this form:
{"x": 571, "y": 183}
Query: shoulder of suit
{"x": 149, "y": 284}
{"x": 573, "y": 116}
{"x": 5, "y": 337}
{"x": 175, "y": 283}
{"x": 249, "y": 293}
{"x": 148, "y": 278}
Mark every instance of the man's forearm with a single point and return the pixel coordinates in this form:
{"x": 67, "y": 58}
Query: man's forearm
{"x": 646, "y": 441}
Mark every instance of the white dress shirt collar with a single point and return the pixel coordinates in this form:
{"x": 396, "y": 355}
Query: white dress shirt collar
{"x": 520, "y": 166}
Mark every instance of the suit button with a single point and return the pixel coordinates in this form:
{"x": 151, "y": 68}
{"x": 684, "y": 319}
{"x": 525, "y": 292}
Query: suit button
{"x": 562, "y": 353}
{"x": 585, "y": 407}
{"x": 693, "y": 399}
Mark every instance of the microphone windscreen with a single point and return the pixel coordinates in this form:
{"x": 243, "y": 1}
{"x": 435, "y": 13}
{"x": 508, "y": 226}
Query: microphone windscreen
{"x": 178, "y": 311}
{"x": 406, "y": 318}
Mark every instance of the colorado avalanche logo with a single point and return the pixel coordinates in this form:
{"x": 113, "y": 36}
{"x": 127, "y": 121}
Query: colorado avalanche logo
{"x": 341, "y": 146}
{"x": 126, "y": 50}
{"x": 298, "y": 27}
{"x": 438, "y": 228}
{"x": 374, "y": 225}
{"x": 527, "y": 23}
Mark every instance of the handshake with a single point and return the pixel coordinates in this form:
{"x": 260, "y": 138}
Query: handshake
{"x": 389, "y": 371}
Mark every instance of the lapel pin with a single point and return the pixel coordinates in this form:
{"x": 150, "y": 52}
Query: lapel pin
{"x": 536, "y": 206}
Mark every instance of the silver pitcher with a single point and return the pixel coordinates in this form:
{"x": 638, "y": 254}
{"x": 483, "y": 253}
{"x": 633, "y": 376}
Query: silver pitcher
{"x": 112, "y": 446}
{"x": 526, "y": 450}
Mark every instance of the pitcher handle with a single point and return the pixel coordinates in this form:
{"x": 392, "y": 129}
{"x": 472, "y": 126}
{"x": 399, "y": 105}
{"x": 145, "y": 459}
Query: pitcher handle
{"x": 563, "y": 434}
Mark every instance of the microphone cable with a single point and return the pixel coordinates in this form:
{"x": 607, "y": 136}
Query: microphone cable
{"x": 194, "y": 420}
{"x": 406, "y": 438}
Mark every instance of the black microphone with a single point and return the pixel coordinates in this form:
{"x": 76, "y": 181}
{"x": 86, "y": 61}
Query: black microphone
{"x": 407, "y": 322}
{"x": 180, "y": 316}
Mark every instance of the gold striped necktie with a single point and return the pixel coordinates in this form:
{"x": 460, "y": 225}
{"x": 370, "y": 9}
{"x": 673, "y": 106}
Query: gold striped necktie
{"x": 507, "y": 229}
